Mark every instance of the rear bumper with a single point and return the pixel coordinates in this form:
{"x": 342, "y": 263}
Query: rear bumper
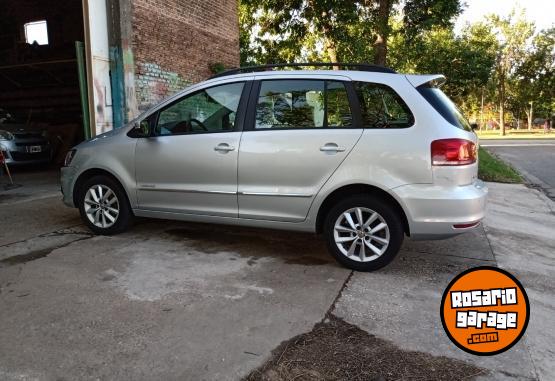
{"x": 432, "y": 210}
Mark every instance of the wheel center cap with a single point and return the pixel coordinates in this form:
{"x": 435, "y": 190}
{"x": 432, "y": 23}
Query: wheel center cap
{"x": 360, "y": 234}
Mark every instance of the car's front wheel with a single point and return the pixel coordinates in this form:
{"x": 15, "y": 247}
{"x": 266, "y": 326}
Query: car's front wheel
{"x": 363, "y": 233}
{"x": 104, "y": 206}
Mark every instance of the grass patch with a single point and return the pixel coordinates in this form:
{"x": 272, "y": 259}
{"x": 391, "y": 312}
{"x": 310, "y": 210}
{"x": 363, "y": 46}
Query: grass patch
{"x": 492, "y": 169}
{"x": 516, "y": 134}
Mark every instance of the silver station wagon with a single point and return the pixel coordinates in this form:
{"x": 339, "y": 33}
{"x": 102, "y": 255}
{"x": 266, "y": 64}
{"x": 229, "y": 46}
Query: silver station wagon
{"x": 364, "y": 156}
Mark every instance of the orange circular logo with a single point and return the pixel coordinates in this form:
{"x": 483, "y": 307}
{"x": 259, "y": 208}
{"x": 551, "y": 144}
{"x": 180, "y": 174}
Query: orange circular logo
{"x": 485, "y": 310}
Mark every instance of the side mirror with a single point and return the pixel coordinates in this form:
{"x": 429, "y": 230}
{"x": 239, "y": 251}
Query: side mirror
{"x": 474, "y": 126}
{"x": 140, "y": 130}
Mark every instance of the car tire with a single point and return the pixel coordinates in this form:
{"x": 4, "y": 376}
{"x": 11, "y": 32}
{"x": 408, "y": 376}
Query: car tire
{"x": 104, "y": 206}
{"x": 363, "y": 233}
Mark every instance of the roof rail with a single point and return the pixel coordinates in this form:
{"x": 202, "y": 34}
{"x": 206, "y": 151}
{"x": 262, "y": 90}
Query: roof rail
{"x": 252, "y": 69}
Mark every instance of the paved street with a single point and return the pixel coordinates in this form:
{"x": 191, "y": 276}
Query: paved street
{"x": 535, "y": 159}
{"x": 175, "y": 301}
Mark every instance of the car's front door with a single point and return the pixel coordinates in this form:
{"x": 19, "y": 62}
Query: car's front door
{"x": 189, "y": 164}
{"x": 298, "y": 132}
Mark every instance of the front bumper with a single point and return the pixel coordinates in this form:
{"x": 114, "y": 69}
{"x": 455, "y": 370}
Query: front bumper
{"x": 67, "y": 182}
{"x": 433, "y": 210}
{"x": 16, "y": 152}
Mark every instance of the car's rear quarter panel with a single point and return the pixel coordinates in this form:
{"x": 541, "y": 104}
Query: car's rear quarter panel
{"x": 395, "y": 160}
{"x": 386, "y": 158}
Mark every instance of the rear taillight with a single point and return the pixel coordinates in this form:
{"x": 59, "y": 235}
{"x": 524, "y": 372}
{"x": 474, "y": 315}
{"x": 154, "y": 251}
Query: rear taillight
{"x": 453, "y": 152}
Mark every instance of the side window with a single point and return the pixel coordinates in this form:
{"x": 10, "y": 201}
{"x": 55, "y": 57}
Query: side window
{"x": 382, "y": 107}
{"x": 296, "y": 104}
{"x": 209, "y": 110}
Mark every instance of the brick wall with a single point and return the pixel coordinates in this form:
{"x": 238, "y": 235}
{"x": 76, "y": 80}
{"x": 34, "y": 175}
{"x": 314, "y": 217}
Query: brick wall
{"x": 176, "y": 41}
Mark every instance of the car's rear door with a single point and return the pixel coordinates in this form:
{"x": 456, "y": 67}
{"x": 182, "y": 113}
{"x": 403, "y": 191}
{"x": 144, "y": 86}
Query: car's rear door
{"x": 297, "y": 132}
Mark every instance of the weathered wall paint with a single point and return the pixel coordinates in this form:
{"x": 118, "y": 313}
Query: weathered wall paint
{"x": 122, "y": 66}
{"x": 154, "y": 49}
{"x": 175, "y": 42}
{"x": 118, "y": 85}
{"x": 131, "y": 109}
{"x": 153, "y": 84}
{"x": 98, "y": 65}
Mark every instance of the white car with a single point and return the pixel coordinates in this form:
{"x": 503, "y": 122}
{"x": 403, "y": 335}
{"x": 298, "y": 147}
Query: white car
{"x": 363, "y": 156}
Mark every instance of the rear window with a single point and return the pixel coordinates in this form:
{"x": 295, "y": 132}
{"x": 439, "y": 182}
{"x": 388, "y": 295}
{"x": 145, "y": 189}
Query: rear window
{"x": 444, "y": 106}
{"x": 382, "y": 107}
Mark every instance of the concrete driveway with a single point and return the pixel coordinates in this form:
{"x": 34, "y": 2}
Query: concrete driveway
{"x": 178, "y": 301}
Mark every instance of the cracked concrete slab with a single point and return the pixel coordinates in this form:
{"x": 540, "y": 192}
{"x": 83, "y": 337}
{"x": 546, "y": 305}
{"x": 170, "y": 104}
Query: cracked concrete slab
{"x": 26, "y": 220}
{"x": 519, "y": 224}
{"x": 172, "y": 300}
{"x": 158, "y": 303}
{"x": 401, "y": 302}
{"x": 40, "y": 245}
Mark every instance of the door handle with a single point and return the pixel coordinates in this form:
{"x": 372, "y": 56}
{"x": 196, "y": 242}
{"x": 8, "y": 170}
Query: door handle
{"x": 223, "y": 147}
{"x": 331, "y": 147}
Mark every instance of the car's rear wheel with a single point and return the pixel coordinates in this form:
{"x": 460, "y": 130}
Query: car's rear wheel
{"x": 104, "y": 206}
{"x": 363, "y": 233}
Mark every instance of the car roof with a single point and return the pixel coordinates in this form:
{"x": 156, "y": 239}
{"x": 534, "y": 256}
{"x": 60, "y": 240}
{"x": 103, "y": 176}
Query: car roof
{"x": 352, "y": 74}
{"x": 355, "y": 75}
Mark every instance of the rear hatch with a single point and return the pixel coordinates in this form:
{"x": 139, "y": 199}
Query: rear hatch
{"x": 454, "y": 155}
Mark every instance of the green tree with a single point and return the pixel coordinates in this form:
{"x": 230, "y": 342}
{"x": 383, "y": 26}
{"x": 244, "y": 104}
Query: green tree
{"x": 494, "y": 67}
{"x": 287, "y": 30}
{"x": 535, "y": 77}
{"x": 514, "y": 35}
{"x": 247, "y": 22}
{"x": 467, "y": 60}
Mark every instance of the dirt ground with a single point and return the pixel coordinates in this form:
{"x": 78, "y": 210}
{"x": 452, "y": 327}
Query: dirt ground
{"x": 336, "y": 350}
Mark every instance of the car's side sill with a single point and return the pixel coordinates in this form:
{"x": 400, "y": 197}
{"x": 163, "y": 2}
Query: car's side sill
{"x": 304, "y": 226}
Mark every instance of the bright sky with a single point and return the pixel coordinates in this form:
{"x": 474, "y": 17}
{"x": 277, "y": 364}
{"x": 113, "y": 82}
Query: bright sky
{"x": 541, "y": 12}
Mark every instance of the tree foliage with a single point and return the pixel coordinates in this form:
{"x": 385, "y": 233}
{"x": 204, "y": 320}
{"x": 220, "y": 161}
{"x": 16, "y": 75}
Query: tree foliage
{"x": 440, "y": 51}
{"x": 287, "y": 30}
{"x": 496, "y": 66}
{"x": 514, "y": 33}
{"x": 534, "y": 79}
{"x": 423, "y": 15}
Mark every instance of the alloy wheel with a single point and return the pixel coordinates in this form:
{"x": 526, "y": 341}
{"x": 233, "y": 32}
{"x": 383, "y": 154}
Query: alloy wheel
{"x": 101, "y": 206}
{"x": 361, "y": 234}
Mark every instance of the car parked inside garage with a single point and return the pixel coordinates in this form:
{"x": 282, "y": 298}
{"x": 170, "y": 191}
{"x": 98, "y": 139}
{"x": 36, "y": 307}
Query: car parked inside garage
{"x": 20, "y": 144}
{"x": 363, "y": 156}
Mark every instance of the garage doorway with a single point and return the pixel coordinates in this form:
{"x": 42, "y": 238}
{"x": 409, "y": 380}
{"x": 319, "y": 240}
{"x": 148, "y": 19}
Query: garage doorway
{"x": 41, "y": 104}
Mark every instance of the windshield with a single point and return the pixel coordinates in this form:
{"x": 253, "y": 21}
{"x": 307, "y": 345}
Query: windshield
{"x": 444, "y": 106}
